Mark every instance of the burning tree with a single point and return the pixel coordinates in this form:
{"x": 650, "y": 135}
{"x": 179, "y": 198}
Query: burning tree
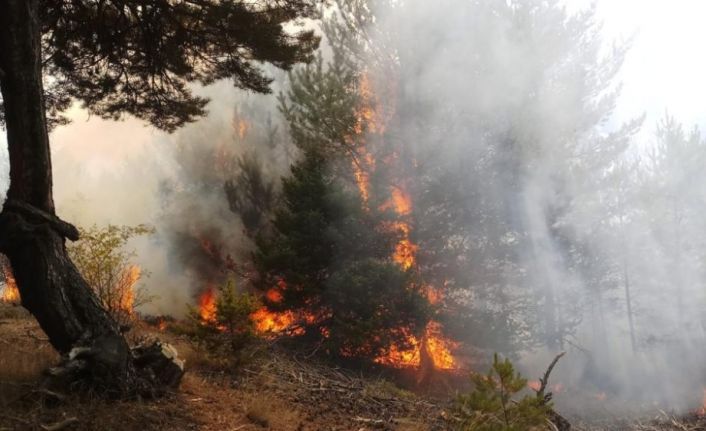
{"x": 326, "y": 260}
{"x": 346, "y": 227}
{"x": 224, "y": 317}
{"x": 115, "y": 57}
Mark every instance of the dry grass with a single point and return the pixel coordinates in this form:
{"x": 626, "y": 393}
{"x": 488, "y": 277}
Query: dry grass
{"x": 268, "y": 392}
{"x": 12, "y": 311}
{"x": 272, "y": 391}
{"x": 272, "y": 413}
{"x": 276, "y": 391}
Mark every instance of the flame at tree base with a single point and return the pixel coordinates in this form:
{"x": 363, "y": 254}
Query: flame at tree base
{"x": 266, "y": 321}
{"x": 10, "y": 293}
{"x": 433, "y": 344}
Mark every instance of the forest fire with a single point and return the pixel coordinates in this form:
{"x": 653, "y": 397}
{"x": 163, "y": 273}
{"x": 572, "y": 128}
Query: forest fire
{"x": 267, "y": 321}
{"x": 127, "y": 292}
{"x": 432, "y": 344}
{"x": 10, "y": 293}
{"x": 207, "y": 305}
{"x": 270, "y": 322}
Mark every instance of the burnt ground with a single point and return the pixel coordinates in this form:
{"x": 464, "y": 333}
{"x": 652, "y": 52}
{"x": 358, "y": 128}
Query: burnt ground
{"x": 271, "y": 388}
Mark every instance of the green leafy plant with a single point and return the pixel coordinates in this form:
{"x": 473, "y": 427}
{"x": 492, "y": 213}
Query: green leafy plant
{"x": 101, "y": 257}
{"x": 492, "y": 406}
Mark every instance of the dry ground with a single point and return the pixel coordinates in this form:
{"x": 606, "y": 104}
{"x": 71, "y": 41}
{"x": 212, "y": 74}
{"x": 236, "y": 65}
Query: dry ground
{"x": 273, "y": 389}
{"x": 270, "y": 391}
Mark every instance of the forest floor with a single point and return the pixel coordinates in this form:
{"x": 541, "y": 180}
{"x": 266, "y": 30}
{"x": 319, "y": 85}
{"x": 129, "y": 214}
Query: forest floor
{"x": 273, "y": 389}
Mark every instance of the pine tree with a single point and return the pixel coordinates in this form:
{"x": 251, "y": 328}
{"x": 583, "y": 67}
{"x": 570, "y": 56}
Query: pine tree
{"x": 492, "y": 406}
{"x": 231, "y": 325}
{"x": 336, "y": 265}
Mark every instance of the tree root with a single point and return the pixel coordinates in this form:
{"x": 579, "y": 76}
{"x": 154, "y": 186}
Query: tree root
{"x": 156, "y": 369}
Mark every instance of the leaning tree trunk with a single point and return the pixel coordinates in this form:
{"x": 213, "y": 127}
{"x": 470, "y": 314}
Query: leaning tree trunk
{"x": 32, "y": 236}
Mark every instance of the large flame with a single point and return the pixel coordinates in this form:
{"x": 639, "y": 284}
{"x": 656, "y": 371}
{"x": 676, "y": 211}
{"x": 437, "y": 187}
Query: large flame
{"x": 10, "y": 293}
{"x": 268, "y": 322}
{"x": 207, "y": 305}
{"x": 436, "y": 347}
{"x": 127, "y": 291}
{"x": 371, "y": 120}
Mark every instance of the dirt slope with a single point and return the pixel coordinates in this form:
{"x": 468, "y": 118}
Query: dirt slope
{"x": 271, "y": 391}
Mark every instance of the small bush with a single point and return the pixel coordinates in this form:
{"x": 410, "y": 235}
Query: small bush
{"x": 101, "y": 258}
{"x": 230, "y": 326}
{"x": 491, "y": 407}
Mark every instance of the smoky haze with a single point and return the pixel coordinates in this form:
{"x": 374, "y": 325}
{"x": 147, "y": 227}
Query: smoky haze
{"x": 601, "y": 229}
{"x": 126, "y": 173}
{"x": 580, "y": 233}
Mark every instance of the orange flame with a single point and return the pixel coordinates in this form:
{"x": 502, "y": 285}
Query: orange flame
{"x": 362, "y": 177}
{"x": 10, "y": 293}
{"x": 162, "y": 325}
{"x": 405, "y": 252}
{"x": 371, "y": 119}
{"x": 127, "y": 290}
{"x": 207, "y": 305}
{"x": 402, "y": 201}
{"x": 435, "y": 345}
{"x": 439, "y": 348}
{"x": 267, "y": 321}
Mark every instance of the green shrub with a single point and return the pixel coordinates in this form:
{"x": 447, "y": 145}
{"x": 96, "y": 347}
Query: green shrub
{"x": 491, "y": 406}
{"x": 101, "y": 257}
{"x": 230, "y": 328}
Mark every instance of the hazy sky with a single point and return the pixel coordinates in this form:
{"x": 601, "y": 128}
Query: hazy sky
{"x": 666, "y": 67}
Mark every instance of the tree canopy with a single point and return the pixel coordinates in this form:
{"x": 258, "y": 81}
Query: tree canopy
{"x": 141, "y": 58}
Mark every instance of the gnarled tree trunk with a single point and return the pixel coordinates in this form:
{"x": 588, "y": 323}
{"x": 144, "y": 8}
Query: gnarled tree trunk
{"x": 31, "y": 235}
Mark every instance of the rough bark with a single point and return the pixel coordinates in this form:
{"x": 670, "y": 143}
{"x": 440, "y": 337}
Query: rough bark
{"x": 32, "y": 236}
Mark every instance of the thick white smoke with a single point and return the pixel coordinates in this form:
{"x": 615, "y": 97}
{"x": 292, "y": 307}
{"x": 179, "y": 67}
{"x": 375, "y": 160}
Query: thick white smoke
{"x": 521, "y": 94}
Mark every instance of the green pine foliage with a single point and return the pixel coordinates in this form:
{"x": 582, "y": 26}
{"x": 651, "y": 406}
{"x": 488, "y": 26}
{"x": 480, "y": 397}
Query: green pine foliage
{"x": 493, "y": 404}
{"x": 369, "y": 297}
{"x": 232, "y": 327}
{"x": 142, "y": 58}
{"x": 336, "y": 263}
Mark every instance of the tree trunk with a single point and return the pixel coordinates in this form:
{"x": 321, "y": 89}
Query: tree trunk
{"x": 31, "y": 235}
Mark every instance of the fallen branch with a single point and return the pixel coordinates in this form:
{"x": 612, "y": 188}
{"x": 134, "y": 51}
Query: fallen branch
{"x": 368, "y": 421}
